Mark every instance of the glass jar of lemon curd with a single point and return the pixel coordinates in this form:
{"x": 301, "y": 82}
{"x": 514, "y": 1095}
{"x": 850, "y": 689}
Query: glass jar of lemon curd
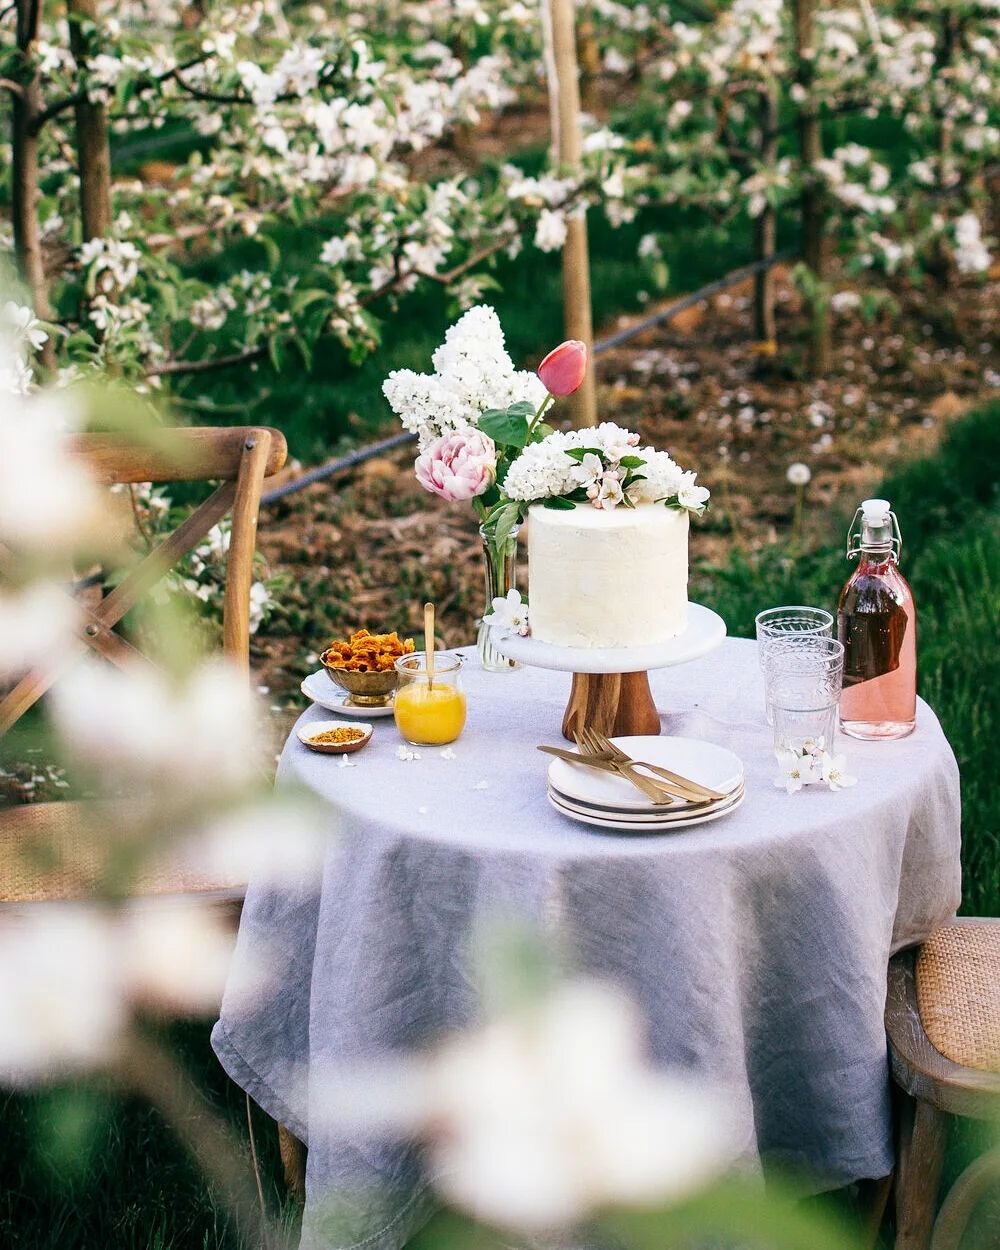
{"x": 429, "y": 709}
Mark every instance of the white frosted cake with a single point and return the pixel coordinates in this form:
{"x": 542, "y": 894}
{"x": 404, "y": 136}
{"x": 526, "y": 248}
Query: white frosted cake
{"x": 607, "y": 578}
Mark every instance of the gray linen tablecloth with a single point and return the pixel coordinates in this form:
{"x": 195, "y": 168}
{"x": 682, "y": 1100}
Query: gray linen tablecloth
{"x": 757, "y": 945}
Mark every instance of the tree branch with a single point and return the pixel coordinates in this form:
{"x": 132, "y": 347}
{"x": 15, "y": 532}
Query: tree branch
{"x": 178, "y": 368}
{"x": 15, "y": 88}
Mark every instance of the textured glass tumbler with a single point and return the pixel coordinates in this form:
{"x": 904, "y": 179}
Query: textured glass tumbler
{"x": 775, "y": 625}
{"x": 803, "y": 677}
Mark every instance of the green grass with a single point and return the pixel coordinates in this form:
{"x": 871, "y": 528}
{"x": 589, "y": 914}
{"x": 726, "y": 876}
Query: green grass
{"x": 949, "y": 510}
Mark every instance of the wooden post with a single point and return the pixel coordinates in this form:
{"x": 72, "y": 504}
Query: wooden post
{"x": 24, "y": 183}
{"x": 765, "y": 230}
{"x": 568, "y": 144}
{"x": 814, "y": 244}
{"x": 92, "y": 147}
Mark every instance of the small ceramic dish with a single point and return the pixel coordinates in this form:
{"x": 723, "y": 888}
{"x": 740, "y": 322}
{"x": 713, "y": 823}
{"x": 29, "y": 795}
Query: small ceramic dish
{"x": 309, "y": 733}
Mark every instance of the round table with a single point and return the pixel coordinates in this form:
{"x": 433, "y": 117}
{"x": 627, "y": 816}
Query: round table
{"x": 757, "y": 945}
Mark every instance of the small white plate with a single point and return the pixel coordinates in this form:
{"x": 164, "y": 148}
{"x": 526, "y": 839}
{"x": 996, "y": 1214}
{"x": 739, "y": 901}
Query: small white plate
{"x": 655, "y": 815}
{"x": 703, "y": 762}
{"x": 625, "y": 826}
{"x": 320, "y": 689}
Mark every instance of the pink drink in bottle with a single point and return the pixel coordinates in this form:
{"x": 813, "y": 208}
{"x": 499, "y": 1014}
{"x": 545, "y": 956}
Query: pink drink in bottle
{"x": 877, "y": 623}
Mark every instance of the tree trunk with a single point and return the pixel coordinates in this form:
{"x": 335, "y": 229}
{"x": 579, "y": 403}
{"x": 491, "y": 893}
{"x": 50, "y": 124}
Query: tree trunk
{"x": 577, "y": 313}
{"x": 813, "y": 207}
{"x": 588, "y": 53}
{"x": 24, "y": 182}
{"x": 92, "y": 146}
{"x": 765, "y": 230}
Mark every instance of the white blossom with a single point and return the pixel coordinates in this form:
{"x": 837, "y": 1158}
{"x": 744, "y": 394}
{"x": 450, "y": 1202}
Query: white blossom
{"x": 36, "y": 623}
{"x": 62, "y": 992}
{"x": 539, "y": 1120}
{"x": 795, "y": 770}
{"x": 192, "y": 737}
{"x": 509, "y": 613}
{"x": 798, "y": 474}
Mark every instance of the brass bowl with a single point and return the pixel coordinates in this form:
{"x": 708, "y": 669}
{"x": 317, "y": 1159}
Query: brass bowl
{"x": 365, "y": 689}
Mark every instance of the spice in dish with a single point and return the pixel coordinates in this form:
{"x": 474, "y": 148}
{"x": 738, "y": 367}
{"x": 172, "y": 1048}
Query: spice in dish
{"x": 340, "y": 736}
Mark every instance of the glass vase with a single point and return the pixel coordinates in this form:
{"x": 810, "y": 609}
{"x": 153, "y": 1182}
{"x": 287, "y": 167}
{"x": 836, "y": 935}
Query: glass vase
{"x": 500, "y": 569}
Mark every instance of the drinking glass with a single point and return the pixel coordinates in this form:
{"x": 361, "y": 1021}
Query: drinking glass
{"x": 429, "y": 710}
{"x": 803, "y": 676}
{"x": 777, "y": 624}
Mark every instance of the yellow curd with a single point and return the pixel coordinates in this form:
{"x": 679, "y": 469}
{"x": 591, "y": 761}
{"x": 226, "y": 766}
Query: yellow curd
{"x": 429, "y": 717}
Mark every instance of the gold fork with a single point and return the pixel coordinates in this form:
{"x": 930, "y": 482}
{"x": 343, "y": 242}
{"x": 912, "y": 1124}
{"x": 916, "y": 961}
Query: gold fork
{"x": 656, "y": 791}
{"x": 601, "y": 745}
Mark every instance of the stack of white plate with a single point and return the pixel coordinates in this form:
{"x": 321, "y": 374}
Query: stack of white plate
{"x": 608, "y": 801}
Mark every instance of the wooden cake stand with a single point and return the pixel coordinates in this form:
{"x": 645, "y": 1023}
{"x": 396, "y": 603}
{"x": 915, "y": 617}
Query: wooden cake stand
{"x": 610, "y": 691}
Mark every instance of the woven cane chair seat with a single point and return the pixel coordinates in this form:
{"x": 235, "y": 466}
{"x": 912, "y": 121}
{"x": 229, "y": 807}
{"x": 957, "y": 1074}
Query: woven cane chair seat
{"x": 958, "y": 993}
{"x": 62, "y": 851}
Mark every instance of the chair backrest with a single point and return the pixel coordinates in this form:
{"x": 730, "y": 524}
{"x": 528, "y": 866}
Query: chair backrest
{"x": 240, "y": 457}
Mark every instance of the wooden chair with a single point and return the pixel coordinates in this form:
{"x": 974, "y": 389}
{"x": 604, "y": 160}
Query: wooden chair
{"x": 943, "y": 1022}
{"x": 59, "y": 864}
{"x": 62, "y": 863}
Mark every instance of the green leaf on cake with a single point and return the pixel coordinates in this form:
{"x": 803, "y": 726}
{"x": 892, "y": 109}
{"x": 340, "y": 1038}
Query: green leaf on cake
{"x": 558, "y": 504}
{"x": 508, "y": 428}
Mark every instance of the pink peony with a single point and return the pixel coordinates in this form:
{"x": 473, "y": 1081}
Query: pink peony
{"x": 457, "y": 466}
{"x": 564, "y": 368}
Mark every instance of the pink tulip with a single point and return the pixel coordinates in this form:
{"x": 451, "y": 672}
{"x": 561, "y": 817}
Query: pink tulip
{"x": 564, "y": 368}
{"x": 457, "y": 466}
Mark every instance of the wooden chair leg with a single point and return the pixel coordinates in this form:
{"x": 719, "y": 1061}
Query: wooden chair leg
{"x": 923, "y": 1133}
{"x": 963, "y": 1198}
{"x": 293, "y": 1161}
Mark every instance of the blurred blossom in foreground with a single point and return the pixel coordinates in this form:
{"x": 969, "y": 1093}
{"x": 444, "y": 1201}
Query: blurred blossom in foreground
{"x": 49, "y": 503}
{"x": 190, "y": 738}
{"x": 62, "y": 1003}
{"x": 35, "y": 624}
{"x": 71, "y": 975}
{"x": 176, "y": 954}
{"x": 546, "y": 1117}
{"x": 281, "y": 840}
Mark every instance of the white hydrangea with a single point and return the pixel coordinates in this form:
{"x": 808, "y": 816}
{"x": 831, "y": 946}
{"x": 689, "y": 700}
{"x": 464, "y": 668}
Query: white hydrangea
{"x": 472, "y": 372}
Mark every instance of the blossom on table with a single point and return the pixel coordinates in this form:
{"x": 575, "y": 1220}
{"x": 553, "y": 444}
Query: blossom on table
{"x": 795, "y": 770}
{"x": 834, "y": 772}
{"x": 510, "y": 612}
{"x": 810, "y": 763}
{"x": 535, "y": 1121}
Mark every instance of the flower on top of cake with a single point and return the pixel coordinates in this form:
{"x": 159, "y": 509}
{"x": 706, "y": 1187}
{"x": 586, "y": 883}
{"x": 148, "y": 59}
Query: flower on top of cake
{"x": 605, "y": 467}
